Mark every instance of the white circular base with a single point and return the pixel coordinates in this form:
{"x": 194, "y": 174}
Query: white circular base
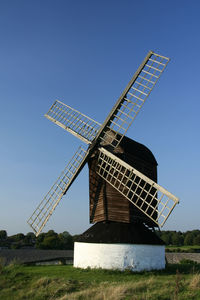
{"x": 119, "y": 256}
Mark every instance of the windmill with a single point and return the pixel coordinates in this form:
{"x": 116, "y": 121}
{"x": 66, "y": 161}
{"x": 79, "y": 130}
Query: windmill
{"x": 122, "y": 174}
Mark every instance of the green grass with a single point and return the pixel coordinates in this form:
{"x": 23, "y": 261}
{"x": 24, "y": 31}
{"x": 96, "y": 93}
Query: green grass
{"x": 183, "y": 248}
{"x": 65, "y": 282}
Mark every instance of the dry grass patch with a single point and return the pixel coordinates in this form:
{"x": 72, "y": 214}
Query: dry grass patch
{"x": 42, "y": 282}
{"x": 195, "y": 282}
{"x": 52, "y": 288}
{"x": 108, "y": 291}
{"x": 148, "y": 289}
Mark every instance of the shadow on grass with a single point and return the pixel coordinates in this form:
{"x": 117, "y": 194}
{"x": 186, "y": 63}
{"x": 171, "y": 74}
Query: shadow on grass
{"x": 189, "y": 267}
{"x": 16, "y": 272}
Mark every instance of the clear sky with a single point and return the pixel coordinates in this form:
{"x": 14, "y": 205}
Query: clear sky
{"x": 84, "y": 53}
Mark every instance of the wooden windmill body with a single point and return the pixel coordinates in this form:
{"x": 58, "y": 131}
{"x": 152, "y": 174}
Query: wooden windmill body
{"x": 125, "y": 198}
{"x": 108, "y": 204}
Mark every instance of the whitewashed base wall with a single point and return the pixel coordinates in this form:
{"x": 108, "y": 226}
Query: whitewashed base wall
{"x": 119, "y": 256}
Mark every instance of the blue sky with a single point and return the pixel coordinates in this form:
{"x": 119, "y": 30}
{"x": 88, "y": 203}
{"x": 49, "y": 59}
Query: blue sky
{"x": 84, "y": 53}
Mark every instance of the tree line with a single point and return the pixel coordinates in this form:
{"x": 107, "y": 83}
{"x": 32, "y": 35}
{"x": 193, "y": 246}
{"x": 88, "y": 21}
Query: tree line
{"x": 65, "y": 241}
{"x": 178, "y": 238}
{"x": 48, "y": 240}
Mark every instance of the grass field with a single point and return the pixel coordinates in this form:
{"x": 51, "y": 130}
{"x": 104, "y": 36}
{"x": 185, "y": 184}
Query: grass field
{"x": 65, "y": 282}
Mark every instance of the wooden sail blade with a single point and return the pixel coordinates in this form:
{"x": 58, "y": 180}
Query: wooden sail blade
{"x": 73, "y": 121}
{"x": 132, "y": 99}
{"x": 45, "y": 209}
{"x": 152, "y": 199}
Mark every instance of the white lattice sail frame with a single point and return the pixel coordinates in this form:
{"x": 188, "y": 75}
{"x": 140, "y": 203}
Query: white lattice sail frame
{"x": 73, "y": 121}
{"x": 133, "y": 98}
{"x": 151, "y": 198}
{"x": 123, "y": 113}
{"x": 46, "y": 207}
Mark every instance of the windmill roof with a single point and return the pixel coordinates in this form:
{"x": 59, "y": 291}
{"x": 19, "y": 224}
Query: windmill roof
{"x": 138, "y": 150}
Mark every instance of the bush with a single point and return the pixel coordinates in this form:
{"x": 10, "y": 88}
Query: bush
{"x": 2, "y": 264}
{"x": 186, "y": 261}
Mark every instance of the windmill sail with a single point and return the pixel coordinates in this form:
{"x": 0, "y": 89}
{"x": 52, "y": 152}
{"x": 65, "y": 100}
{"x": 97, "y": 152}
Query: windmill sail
{"x": 123, "y": 113}
{"x": 45, "y": 209}
{"x": 152, "y": 199}
{"x": 73, "y": 121}
{"x": 133, "y": 98}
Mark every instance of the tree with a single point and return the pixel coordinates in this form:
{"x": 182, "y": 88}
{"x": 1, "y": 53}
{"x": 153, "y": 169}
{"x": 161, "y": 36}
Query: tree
{"x": 65, "y": 234}
{"x": 16, "y": 241}
{"x": 3, "y": 235}
{"x": 66, "y": 240}
{"x": 39, "y": 240}
{"x": 51, "y": 233}
{"x": 181, "y": 238}
{"x": 188, "y": 240}
{"x": 177, "y": 238}
{"x": 51, "y": 242}
{"x": 166, "y": 237}
{"x": 76, "y": 236}
{"x": 17, "y": 237}
{"x": 30, "y": 239}
{"x": 3, "y": 239}
{"x": 196, "y": 240}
